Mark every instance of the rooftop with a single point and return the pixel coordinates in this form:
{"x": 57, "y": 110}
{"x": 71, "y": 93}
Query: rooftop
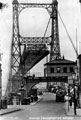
{"x": 61, "y": 62}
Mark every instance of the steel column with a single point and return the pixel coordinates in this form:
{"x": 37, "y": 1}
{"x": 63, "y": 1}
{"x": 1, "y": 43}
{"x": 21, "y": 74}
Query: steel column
{"x": 55, "y": 47}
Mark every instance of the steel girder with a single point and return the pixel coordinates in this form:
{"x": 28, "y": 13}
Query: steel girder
{"x": 15, "y": 50}
{"x": 35, "y": 40}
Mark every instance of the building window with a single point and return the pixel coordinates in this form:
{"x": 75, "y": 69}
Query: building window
{"x": 58, "y": 69}
{"x": 71, "y": 69}
{"x": 65, "y": 69}
{"x": 52, "y": 70}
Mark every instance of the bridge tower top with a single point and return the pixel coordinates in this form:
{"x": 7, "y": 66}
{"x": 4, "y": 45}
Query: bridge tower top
{"x": 15, "y": 2}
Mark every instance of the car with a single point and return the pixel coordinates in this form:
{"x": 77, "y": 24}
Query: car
{"x": 60, "y": 95}
{"x": 53, "y": 88}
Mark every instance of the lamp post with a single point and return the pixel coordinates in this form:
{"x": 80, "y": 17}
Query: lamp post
{"x": 68, "y": 96}
{"x": 75, "y": 99}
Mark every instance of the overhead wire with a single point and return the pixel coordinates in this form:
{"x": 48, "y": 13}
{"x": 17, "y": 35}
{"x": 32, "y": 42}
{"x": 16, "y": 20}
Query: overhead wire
{"x": 45, "y": 34}
{"x": 65, "y": 30}
{"x": 46, "y": 27}
{"x": 67, "y": 33}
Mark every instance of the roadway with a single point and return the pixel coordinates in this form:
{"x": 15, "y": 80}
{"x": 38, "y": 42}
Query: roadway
{"x": 45, "y": 109}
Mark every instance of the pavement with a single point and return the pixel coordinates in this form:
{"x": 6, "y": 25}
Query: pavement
{"x": 10, "y": 109}
{"x": 15, "y": 108}
{"x": 70, "y": 110}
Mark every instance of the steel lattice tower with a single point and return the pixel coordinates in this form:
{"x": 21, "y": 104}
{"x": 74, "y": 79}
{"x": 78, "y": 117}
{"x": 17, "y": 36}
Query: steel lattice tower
{"x": 55, "y": 46}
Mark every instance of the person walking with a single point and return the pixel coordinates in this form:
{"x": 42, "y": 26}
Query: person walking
{"x": 70, "y": 101}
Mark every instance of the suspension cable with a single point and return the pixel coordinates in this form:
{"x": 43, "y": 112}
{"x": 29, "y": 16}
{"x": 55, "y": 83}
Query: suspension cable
{"x": 46, "y": 28}
{"x": 44, "y": 36}
{"x": 67, "y": 33}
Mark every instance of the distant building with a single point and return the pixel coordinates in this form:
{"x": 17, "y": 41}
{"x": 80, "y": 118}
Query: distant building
{"x": 79, "y": 68}
{"x": 0, "y": 85}
{"x": 60, "y": 68}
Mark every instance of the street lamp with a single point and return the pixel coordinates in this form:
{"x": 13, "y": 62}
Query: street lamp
{"x": 75, "y": 93}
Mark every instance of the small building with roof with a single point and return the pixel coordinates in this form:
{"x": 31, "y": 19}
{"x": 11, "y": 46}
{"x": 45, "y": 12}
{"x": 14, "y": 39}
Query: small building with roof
{"x": 60, "y": 68}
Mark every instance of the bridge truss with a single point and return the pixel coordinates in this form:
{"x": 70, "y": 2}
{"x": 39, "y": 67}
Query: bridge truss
{"x": 18, "y": 40}
{"x": 33, "y": 46}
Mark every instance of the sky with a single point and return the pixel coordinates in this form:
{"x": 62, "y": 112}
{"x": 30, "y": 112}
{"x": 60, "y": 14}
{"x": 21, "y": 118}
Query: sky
{"x": 32, "y": 22}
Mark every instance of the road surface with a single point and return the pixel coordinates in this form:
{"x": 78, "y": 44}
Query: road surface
{"x": 45, "y": 109}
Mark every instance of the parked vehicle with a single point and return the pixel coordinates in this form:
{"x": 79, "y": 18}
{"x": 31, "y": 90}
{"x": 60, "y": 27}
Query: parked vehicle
{"x": 53, "y": 88}
{"x": 25, "y": 101}
{"x": 60, "y": 95}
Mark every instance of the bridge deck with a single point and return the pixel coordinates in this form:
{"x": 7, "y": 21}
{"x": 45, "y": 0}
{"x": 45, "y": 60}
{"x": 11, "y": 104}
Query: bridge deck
{"x": 32, "y": 57}
{"x": 47, "y": 79}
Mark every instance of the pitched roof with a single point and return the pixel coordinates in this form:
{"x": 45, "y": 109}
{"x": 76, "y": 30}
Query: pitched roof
{"x": 61, "y": 62}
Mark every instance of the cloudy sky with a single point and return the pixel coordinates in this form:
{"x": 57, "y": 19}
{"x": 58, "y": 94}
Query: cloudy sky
{"x": 31, "y": 22}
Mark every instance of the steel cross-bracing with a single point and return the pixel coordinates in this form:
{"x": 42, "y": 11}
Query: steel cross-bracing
{"x": 33, "y": 5}
{"x": 18, "y": 40}
{"x": 35, "y": 40}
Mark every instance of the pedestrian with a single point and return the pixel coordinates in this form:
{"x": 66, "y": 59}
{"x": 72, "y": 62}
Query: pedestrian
{"x": 76, "y": 96}
{"x": 71, "y": 96}
{"x": 75, "y": 99}
{"x": 70, "y": 101}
